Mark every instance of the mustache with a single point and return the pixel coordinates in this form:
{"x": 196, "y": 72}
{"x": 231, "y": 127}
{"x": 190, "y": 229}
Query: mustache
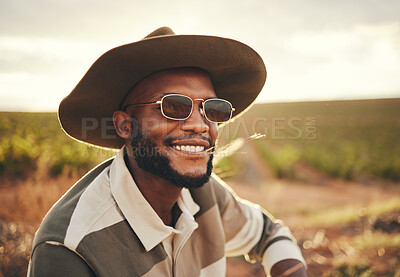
{"x": 169, "y": 140}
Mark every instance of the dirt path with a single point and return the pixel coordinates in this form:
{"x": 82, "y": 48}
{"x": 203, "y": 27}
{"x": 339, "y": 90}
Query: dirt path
{"x": 291, "y": 200}
{"x": 283, "y": 196}
{"x": 288, "y": 200}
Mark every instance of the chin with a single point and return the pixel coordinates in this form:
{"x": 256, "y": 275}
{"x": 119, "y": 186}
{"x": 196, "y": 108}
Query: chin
{"x": 192, "y": 178}
{"x": 189, "y": 171}
{"x": 188, "y": 175}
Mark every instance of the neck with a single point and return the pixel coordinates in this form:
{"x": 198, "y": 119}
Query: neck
{"x": 161, "y": 194}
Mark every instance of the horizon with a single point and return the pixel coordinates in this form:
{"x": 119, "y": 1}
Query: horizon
{"x": 255, "y": 103}
{"x": 313, "y": 50}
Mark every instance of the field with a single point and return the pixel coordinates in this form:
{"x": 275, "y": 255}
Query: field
{"x": 33, "y": 143}
{"x": 346, "y": 139}
{"x": 330, "y": 170}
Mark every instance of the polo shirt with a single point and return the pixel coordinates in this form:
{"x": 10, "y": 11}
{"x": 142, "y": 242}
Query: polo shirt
{"x": 103, "y": 226}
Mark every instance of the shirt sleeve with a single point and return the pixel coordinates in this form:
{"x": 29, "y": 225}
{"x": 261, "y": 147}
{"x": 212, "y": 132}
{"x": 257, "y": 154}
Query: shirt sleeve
{"x": 260, "y": 237}
{"x": 56, "y": 260}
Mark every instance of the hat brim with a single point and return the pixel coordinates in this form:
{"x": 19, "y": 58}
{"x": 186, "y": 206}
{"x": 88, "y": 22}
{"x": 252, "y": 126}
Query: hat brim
{"x": 238, "y": 74}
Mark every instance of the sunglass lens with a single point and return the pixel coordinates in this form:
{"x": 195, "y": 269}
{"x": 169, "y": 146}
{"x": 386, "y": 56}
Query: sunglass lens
{"x": 217, "y": 110}
{"x": 176, "y": 106}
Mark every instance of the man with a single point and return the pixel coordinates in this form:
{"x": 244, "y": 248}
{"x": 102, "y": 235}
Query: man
{"x": 156, "y": 209}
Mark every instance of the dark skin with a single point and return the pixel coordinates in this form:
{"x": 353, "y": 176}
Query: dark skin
{"x": 163, "y": 195}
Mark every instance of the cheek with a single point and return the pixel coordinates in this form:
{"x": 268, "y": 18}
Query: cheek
{"x": 154, "y": 125}
{"x": 213, "y": 132}
{"x": 157, "y": 131}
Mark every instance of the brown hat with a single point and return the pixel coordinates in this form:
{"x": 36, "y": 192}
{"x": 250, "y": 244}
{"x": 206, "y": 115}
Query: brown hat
{"x": 237, "y": 73}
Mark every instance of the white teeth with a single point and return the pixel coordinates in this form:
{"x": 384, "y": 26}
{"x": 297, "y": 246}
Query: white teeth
{"x": 188, "y": 148}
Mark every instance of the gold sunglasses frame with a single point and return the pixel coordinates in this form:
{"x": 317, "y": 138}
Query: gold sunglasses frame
{"x": 202, "y": 112}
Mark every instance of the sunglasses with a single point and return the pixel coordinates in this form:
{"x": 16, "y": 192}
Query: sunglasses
{"x": 180, "y": 107}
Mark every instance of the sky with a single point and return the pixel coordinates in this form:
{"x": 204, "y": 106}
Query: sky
{"x": 313, "y": 49}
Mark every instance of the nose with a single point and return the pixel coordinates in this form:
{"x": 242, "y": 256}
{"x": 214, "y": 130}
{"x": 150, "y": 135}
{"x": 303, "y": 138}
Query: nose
{"x": 196, "y": 122}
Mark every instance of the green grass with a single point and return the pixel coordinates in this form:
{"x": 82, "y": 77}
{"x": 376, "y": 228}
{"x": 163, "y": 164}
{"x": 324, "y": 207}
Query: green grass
{"x": 375, "y": 240}
{"x": 31, "y": 142}
{"x": 341, "y": 215}
{"x": 345, "y": 139}
{"x": 280, "y": 159}
{"x": 363, "y": 254}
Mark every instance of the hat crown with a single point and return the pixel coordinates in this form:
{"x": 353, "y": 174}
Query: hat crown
{"x": 162, "y": 31}
{"x": 237, "y": 72}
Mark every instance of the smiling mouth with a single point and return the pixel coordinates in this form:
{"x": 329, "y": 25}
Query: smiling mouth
{"x": 189, "y": 148}
{"x": 196, "y": 146}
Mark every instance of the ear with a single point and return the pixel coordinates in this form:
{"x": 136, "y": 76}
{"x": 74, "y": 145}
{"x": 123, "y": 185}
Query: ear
{"x": 123, "y": 124}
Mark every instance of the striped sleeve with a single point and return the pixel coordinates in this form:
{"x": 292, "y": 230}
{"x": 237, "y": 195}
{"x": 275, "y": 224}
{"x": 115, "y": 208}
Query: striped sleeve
{"x": 52, "y": 260}
{"x": 260, "y": 237}
{"x": 275, "y": 244}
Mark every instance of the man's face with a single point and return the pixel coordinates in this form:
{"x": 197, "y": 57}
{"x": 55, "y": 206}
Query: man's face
{"x": 182, "y": 144}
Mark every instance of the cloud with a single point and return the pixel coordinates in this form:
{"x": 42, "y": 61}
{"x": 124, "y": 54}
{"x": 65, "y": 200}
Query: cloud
{"x": 316, "y": 15}
{"x": 32, "y": 92}
{"x": 13, "y": 61}
{"x": 355, "y": 44}
{"x": 96, "y": 20}
{"x": 340, "y": 47}
{"x": 363, "y": 61}
{"x": 91, "y": 20}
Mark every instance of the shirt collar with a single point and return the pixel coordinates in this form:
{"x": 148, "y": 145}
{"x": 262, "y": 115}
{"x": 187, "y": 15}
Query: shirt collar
{"x": 147, "y": 225}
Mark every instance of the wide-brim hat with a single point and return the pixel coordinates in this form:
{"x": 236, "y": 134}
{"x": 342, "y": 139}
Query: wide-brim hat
{"x": 237, "y": 72}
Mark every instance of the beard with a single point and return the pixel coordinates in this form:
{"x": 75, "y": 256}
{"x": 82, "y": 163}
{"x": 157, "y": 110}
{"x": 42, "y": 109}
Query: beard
{"x": 150, "y": 159}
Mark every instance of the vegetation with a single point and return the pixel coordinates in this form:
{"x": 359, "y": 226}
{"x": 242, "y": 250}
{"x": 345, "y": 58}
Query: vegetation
{"x": 346, "y": 139}
{"x": 343, "y": 140}
{"x": 32, "y": 142}
{"x": 345, "y": 214}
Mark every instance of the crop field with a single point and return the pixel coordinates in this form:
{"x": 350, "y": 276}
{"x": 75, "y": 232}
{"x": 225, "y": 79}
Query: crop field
{"x": 346, "y": 139}
{"x": 32, "y": 143}
{"x": 330, "y": 170}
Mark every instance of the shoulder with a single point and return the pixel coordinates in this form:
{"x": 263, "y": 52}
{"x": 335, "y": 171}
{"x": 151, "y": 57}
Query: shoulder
{"x": 56, "y": 260}
{"x": 57, "y": 221}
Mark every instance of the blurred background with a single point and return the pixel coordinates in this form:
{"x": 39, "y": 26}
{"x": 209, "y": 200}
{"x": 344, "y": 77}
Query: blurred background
{"x": 329, "y": 164}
